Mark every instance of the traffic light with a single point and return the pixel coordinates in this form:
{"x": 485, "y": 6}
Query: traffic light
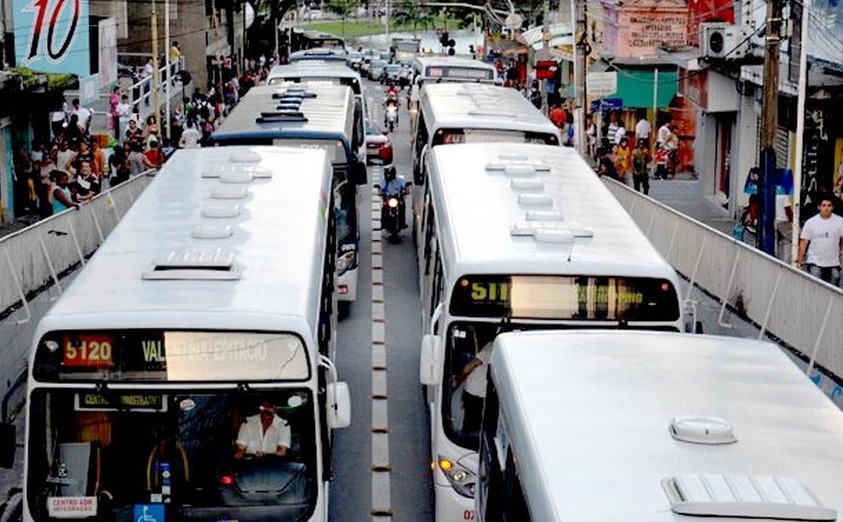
{"x": 443, "y": 38}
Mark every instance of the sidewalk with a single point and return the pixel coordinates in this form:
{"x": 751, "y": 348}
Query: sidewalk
{"x": 684, "y": 194}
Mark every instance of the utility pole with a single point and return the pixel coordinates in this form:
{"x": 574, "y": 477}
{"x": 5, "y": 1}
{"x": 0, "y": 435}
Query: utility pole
{"x": 800, "y": 131}
{"x": 581, "y": 50}
{"x": 769, "y": 127}
{"x": 167, "y": 75}
{"x": 545, "y": 49}
{"x": 155, "y": 65}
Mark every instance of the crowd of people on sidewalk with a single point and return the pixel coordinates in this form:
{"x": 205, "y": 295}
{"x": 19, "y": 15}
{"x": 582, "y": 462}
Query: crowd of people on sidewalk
{"x": 73, "y": 164}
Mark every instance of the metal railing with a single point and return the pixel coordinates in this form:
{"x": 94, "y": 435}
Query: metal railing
{"x": 141, "y": 92}
{"x": 36, "y": 256}
{"x": 787, "y": 304}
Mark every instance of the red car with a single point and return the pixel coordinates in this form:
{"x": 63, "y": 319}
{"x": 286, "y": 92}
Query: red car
{"x": 378, "y": 146}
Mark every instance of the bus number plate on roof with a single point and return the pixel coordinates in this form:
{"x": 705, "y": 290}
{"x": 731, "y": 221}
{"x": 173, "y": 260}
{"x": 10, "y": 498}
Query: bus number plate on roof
{"x": 87, "y": 351}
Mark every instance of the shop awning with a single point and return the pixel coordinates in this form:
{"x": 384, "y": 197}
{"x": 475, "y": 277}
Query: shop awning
{"x": 506, "y": 46}
{"x": 636, "y": 86}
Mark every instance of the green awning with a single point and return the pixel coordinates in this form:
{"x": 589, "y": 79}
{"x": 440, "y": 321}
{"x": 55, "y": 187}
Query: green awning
{"x": 636, "y": 86}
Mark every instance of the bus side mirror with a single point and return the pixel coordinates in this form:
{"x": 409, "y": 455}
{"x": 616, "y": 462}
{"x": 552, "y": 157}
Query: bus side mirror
{"x": 358, "y": 172}
{"x": 418, "y": 173}
{"x": 339, "y": 405}
{"x": 428, "y": 360}
{"x": 8, "y": 444}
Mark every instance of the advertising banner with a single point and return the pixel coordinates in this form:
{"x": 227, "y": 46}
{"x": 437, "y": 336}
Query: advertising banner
{"x": 52, "y": 35}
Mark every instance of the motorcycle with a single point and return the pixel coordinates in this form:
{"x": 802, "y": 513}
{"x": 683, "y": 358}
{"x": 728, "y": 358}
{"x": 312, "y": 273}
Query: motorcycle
{"x": 393, "y": 207}
{"x": 390, "y": 117}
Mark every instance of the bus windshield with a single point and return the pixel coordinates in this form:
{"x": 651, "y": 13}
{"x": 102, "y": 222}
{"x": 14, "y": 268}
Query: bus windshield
{"x": 448, "y": 136}
{"x": 130, "y": 456}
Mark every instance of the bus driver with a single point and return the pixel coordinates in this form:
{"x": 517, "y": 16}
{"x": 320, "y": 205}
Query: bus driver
{"x": 263, "y": 434}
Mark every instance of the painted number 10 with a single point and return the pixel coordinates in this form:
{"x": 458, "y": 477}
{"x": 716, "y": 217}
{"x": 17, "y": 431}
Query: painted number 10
{"x": 43, "y": 11}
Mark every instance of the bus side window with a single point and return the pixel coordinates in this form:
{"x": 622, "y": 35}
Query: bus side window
{"x": 429, "y": 238}
{"x": 418, "y": 148}
{"x": 438, "y": 282}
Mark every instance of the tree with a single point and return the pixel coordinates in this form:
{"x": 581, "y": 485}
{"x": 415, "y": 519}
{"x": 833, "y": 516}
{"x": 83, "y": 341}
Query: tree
{"x": 411, "y": 14}
{"x": 343, "y": 8}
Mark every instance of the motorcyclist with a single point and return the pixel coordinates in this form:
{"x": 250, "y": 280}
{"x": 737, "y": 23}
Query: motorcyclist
{"x": 392, "y": 91}
{"x": 394, "y": 186}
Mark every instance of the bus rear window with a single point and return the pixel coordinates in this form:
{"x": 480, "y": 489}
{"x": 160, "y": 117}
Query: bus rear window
{"x": 589, "y": 298}
{"x": 174, "y": 356}
{"x": 448, "y": 136}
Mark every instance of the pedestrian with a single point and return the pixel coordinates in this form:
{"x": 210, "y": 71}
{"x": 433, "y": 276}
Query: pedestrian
{"x": 58, "y": 121}
{"x": 624, "y": 160}
{"x": 59, "y": 192}
{"x": 134, "y": 134}
{"x": 118, "y": 164}
{"x": 605, "y": 165}
{"x": 83, "y": 113}
{"x": 620, "y": 133}
{"x": 191, "y": 136}
{"x": 611, "y": 130}
{"x": 557, "y": 114}
{"x": 663, "y": 134}
{"x": 114, "y": 112}
{"x": 640, "y": 167}
{"x": 642, "y": 129}
{"x": 820, "y": 243}
{"x": 784, "y": 225}
{"x": 175, "y": 59}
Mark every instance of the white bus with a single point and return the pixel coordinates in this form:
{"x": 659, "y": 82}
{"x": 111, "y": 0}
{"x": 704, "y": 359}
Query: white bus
{"x": 311, "y": 116}
{"x": 525, "y": 235}
{"x": 316, "y": 70}
{"x": 649, "y": 427}
{"x": 452, "y": 113}
{"x": 432, "y": 69}
{"x": 211, "y": 304}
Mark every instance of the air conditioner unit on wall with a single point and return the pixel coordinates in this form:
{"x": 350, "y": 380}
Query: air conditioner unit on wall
{"x": 723, "y": 41}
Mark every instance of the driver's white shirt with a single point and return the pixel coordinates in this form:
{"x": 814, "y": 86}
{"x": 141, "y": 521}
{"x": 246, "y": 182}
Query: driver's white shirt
{"x": 253, "y": 438}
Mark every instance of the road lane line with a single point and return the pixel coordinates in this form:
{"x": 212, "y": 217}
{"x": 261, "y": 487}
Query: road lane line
{"x": 381, "y": 465}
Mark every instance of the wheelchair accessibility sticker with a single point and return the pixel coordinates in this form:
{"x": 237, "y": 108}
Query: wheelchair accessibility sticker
{"x": 148, "y": 513}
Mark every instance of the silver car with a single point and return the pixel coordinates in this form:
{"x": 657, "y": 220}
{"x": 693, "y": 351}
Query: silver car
{"x": 376, "y": 69}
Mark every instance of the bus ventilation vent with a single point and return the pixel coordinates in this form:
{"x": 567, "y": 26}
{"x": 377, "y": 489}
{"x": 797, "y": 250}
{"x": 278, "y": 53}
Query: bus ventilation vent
{"x": 245, "y": 156}
{"x": 277, "y": 117}
{"x": 212, "y": 232}
{"x": 229, "y": 192}
{"x": 535, "y": 200}
{"x": 744, "y": 496}
{"x": 702, "y": 430}
{"x": 544, "y": 215}
{"x": 492, "y": 113}
{"x": 221, "y": 211}
{"x": 222, "y": 171}
{"x": 512, "y": 157}
{"x": 195, "y": 264}
{"x": 236, "y": 177}
{"x": 527, "y": 184}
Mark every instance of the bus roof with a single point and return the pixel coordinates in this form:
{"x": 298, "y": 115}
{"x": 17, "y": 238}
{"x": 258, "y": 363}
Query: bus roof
{"x": 171, "y": 262}
{"x": 453, "y": 61}
{"x": 491, "y": 220}
{"x": 481, "y": 106}
{"x": 327, "y": 115}
{"x": 592, "y": 416}
{"x": 328, "y": 54}
{"x": 314, "y": 70}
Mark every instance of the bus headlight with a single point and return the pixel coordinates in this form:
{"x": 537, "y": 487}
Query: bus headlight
{"x": 344, "y": 262}
{"x": 461, "y": 479}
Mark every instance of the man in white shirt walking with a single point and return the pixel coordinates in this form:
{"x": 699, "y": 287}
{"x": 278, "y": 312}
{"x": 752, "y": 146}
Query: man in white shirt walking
{"x": 190, "y": 137}
{"x": 820, "y": 243}
{"x": 642, "y": 129}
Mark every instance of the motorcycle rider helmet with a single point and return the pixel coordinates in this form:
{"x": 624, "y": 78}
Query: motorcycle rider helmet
{"x": 389, "y": 173}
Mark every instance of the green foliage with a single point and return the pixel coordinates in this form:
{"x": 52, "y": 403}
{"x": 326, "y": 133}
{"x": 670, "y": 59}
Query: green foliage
{"x": 54, "y": 81}
{"x": 343, "y": 8}
{"x": 410, "y": 14}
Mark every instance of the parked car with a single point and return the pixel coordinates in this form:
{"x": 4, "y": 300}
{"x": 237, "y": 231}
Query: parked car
{"x": 376, "y": 69}
{"x": 378, "y": 146}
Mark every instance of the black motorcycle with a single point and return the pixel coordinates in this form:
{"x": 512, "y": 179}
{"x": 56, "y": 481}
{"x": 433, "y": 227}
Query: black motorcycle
{"x": 393, "y": 211}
